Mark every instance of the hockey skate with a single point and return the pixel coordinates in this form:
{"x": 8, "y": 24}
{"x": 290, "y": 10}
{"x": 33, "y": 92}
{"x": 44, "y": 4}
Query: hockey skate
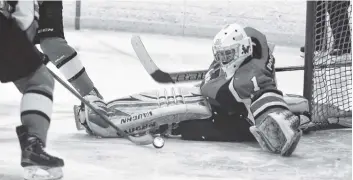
{"x": 37, "y": 164}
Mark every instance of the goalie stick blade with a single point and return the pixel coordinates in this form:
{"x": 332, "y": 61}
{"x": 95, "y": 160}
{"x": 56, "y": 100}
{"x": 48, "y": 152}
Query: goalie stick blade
{"x": 148, "y": 63}
{"x": 162, "y": 77}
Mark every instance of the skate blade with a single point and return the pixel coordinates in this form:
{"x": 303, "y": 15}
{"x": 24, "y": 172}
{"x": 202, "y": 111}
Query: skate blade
{"x": 42, "y": 173}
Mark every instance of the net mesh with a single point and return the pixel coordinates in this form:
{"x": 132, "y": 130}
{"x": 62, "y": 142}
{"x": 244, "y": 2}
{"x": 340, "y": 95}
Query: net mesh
{"x": 331, "y": 94}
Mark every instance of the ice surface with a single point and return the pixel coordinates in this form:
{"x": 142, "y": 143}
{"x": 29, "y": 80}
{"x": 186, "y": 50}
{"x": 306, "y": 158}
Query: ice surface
{"x": 115, "y": 70}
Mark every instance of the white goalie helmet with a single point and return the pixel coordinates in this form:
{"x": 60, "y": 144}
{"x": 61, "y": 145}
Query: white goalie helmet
{"x": 231, "y": 46}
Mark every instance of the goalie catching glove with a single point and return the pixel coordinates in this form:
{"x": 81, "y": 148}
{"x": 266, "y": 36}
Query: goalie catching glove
{"x": 277, "y": 131}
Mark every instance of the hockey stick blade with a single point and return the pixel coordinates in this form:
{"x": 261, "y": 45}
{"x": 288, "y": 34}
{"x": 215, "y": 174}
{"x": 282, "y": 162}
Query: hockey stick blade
{"x": 140, "y": 140}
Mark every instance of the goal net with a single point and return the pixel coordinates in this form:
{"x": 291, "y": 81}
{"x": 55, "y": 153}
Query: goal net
{"x": 328, "y": 63}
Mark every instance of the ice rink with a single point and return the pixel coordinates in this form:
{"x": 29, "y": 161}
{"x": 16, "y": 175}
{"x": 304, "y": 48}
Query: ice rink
{"x": 110, "y": 61}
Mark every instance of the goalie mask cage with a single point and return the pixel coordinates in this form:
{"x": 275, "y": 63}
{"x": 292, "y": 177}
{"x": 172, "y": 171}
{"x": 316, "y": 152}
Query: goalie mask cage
{"x": 328, "y": 63}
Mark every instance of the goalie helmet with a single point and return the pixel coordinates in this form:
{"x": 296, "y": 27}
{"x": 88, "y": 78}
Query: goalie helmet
{"x": 231, "y": 46}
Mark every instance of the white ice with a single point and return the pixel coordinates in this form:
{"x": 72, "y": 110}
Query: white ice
{"x": 115, "y": 70}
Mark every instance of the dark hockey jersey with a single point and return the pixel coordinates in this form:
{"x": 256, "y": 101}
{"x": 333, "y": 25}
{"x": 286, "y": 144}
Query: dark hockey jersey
{"x": 24, "y": 12}
{"x": 252, "y": 90}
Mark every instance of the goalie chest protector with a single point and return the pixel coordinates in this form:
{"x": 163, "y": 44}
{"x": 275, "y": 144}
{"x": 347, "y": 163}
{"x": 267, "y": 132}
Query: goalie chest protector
{"x": 215, "y": 89}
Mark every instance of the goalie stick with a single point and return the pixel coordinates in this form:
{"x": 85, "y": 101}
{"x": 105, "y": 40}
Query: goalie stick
{"x": 140, "y": 140}
{"x": 164, "y": 77}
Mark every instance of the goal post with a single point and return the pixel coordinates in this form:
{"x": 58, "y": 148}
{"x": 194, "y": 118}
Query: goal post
{"x": 328, "y": 63}
{"x": 309, "y": 41}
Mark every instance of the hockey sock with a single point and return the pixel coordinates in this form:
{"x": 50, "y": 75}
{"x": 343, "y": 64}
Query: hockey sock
{"x": 37, "y": 101}
{"x": 66, "y": 59}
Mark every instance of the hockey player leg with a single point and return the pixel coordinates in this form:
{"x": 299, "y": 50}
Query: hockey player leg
{"x": 66, "y": 60}
{"x": 36, "y": 109}
{"x": 22, "y": 65}
{"x": 53, "y": 43}
{"x": 277, "y": 131}
{"x": 64, "y": 57}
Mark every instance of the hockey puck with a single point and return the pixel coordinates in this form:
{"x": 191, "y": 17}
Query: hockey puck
{"x": 158, "y": 142}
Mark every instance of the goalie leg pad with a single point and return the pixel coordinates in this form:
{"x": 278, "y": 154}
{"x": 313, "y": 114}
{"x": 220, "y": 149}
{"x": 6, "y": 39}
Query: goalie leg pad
{"x": 94, "y": 121}
{"x": 278, "y": 132}
{"x": 147, "y": 111}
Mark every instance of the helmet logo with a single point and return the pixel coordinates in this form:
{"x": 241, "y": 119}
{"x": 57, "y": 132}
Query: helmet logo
{"x": 245, "y": 50}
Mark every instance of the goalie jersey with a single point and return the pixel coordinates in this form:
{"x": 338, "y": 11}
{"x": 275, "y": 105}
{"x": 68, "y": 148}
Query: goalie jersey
{"x": 251, "y": 91}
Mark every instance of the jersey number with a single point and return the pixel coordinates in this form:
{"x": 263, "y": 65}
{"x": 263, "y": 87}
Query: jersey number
{"x": 254, "y": 81}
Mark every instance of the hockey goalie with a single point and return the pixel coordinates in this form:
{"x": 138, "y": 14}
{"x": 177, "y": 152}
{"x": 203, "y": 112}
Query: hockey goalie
{"x": 237, "y": 101}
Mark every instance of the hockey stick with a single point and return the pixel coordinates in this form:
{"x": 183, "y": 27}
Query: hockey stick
{"x": 164, "y": 77}
{"x": 141, "y": 140}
